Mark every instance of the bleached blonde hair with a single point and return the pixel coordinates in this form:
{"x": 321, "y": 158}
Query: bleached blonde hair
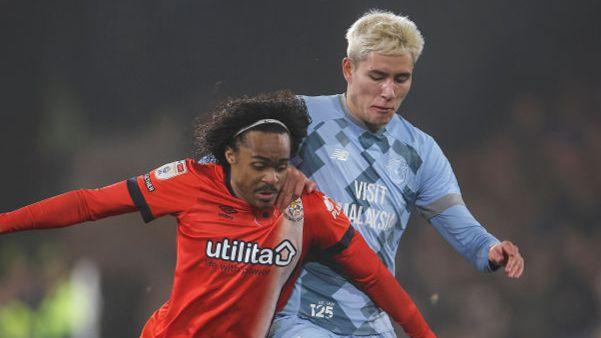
{"x": 385, "y": 33}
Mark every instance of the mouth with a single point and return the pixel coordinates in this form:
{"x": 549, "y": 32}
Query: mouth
{"x": 266, "y": 195}
{"x": 382, "y": 109}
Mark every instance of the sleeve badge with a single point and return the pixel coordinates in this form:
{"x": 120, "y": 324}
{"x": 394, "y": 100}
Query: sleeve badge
{"x": 171, "y": 170}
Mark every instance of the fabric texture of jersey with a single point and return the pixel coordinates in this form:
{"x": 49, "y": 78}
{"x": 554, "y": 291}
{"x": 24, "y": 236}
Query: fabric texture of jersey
{"x": 377, "y": 178}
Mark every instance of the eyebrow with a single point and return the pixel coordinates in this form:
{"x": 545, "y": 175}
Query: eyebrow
{"x": 257, "y": 157}
{"x": 382, "y": 73}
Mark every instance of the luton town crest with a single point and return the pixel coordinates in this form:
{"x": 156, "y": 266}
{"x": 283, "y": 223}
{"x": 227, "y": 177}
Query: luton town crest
{"x": 295, "y": 211}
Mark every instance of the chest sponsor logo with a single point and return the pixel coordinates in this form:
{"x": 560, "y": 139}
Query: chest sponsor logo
{"x": 251, "y": 252}
{"x": 375, "y": 213}
{"x": 370, "y": 192}
{"x": 171, "y": 170}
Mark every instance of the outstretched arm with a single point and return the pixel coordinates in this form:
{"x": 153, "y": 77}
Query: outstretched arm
{"x": 69, "y": 208}
{"x": 440, "y": 202}
{"x": 353, "y": 258}
{"x": 457, "y": 225}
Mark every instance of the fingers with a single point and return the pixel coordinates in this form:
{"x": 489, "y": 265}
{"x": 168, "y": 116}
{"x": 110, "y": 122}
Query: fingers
{"x": 515, "y": 267}
{"x": 519, "y": 268}
{"x": 299, "y": 187}
{"x": 508, "y": 255}
{"x": 280, "y": 202}
{"x": 292, "y": 188}
{"x": 311, "y": 186}
{"x": 515, "y": 262}
{"x": 495, "y": 255}
{"x": 285, "y": 196}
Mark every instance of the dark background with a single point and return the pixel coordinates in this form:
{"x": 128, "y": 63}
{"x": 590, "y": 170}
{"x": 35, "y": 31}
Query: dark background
{"x": 97, "y": 91}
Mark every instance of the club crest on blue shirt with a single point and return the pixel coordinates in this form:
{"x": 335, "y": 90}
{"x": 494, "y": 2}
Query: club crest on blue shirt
{"x": 397, "y": 169}
{"x": 295, "y": 211}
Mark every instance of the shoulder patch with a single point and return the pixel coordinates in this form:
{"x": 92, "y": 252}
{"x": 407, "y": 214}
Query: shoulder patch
{"x": 171, "y": 170}
{"x": 333, "y": 207}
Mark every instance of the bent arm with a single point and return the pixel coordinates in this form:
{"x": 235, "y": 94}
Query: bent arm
{"x": 360, "y": 264}
{"x": 69, "y": 208}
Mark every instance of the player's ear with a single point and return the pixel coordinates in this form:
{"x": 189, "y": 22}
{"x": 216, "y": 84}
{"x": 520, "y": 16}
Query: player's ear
{"x": 347, "y": 68}
{"x": 230, "y": 155}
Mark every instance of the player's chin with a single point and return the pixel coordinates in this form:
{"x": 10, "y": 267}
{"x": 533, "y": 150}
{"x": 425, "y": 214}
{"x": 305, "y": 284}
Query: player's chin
{"x": 381, "y": 118}
{"x": 265, "y": 200}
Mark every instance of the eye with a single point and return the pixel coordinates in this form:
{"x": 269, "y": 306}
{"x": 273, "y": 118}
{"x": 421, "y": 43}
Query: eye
{"x": 402, "y": 78}
{"x": 258, "y": 165}
{"x": 282, "y": 167}
{"x": 376, "y": 77}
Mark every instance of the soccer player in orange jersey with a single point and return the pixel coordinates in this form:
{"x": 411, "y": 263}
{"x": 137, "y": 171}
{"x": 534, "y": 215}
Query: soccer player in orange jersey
{"x": 237, "y": 255}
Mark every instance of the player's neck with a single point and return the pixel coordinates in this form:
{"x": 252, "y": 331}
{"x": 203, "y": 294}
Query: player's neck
{"x": 228, "y": 181}
{"x": 350, "y": 110}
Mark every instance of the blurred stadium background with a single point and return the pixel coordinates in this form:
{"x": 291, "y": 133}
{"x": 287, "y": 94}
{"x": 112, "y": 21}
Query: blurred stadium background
{"x": 99, "y": 91}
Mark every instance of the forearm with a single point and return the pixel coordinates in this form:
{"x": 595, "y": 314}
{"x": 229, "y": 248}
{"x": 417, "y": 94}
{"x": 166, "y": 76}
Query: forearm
{"x": 69, "y": 208}
{"x": 466, "y": 235}
{"x": 363, "y": 267}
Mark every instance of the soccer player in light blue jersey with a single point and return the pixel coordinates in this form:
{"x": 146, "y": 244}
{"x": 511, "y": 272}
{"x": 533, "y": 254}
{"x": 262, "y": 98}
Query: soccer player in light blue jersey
{"x": 377, "y": 165}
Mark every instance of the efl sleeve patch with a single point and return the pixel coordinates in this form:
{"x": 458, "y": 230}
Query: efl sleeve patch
{"x": 171, "y": 170}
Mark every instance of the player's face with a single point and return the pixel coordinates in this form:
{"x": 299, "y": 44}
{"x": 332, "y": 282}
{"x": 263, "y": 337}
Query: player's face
{"x": 259, "y": 167}
{"x": 376, "y": 87}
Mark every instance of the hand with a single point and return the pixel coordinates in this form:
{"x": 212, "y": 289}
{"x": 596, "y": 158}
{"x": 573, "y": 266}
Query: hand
{"x": 293, "y": 187}
{"x": 508, "y": 255}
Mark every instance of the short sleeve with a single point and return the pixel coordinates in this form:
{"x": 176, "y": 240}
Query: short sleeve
{"x": 329, "y": 228}
{"x": 438, "y": 187}
{"x": 167, "y": 190}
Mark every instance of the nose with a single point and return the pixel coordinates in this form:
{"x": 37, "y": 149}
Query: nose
{"x": 271, "y": 176}
{"x": 388, "y": 92}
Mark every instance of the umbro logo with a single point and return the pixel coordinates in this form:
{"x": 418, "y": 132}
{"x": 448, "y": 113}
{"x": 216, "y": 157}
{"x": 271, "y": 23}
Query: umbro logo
{"x": 227, "y": 211}
{"x": 339, "y": 154}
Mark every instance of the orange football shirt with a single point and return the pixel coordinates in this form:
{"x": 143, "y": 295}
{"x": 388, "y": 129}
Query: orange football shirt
{"x": 232, "y": 259}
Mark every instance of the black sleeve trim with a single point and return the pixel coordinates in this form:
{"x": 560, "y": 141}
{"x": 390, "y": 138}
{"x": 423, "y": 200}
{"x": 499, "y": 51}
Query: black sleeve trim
{"x": 492, "y": 266}
{"x": 139, "y": 201}
{"x": 343, "y": 243}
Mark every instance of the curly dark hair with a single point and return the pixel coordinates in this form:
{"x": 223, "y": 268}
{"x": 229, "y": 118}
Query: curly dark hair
{"x": 233, "y": 114}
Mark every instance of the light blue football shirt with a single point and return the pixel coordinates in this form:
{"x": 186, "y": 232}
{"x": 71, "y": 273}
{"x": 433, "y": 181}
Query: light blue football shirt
{"x": 377, "y": 178}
